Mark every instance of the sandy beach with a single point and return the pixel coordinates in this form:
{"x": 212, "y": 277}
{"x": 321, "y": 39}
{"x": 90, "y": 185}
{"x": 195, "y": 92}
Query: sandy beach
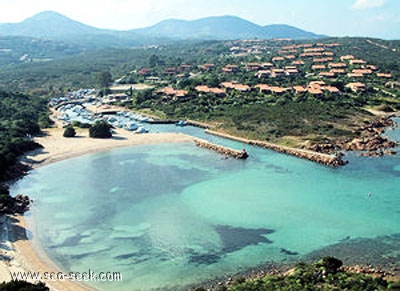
{"x": 57, "y": 148}
{"x": 17, "y": 252}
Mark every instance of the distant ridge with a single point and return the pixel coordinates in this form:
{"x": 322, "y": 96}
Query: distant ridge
{"x": 47, "y": 24}
{"x": 222, "y": 28}
{"x": 53, "y": 25}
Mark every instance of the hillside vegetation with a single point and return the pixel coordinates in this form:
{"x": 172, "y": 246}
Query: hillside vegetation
{"x": 175, "y": 71}
{"x": 21, "y": 117}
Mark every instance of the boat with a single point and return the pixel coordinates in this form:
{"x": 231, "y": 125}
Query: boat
{"x": 131, "y": 126}
{"x": 181, "y": 123}
{"x": 141, "y": 130}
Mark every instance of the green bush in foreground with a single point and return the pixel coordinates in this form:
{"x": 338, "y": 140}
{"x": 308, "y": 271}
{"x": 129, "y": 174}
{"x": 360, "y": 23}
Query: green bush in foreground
{"x": 23, "y": 286}
{"x": 324, "y": 275}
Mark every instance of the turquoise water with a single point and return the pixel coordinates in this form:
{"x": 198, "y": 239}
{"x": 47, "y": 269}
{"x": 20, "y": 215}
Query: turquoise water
{"x": 173, "y": 214}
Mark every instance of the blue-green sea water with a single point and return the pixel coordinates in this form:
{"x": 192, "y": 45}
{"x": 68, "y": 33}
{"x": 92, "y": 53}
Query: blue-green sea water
{"x": 170, "y": 215}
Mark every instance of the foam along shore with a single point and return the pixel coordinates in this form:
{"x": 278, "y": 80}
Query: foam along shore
{"x": 321, "y": 158}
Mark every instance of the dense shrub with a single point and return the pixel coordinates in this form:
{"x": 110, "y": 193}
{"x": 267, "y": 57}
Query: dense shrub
{"x": 101, "y": 129}
{"x": 69, "y": 131}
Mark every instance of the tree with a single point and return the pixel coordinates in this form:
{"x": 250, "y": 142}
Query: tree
{"x": 69, "y": 131}
{"x": 101, "y": 129}
{"x": 104, "y": 79}
{"x": 154, "y": 61}
{"x": 330, "y": 264}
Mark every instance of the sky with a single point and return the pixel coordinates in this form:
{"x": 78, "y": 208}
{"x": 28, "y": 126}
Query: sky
{"x": 373, "y": 18}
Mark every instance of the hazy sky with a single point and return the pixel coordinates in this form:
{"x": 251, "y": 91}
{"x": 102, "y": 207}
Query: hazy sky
{"x": 376, "y": 18}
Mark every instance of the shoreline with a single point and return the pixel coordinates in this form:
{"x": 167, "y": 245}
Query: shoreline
{"x": 21, "y": 253}
{"x": 24, "y": 254}
{"x": 57, "y": 148}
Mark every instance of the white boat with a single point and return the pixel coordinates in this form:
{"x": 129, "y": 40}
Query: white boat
{"x": 141, "y": 130}
{"x": 131, "y": 126}
{"x": 181, "y": 123}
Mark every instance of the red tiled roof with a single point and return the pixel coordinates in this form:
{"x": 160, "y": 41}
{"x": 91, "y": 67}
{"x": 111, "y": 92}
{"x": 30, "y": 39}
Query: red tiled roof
{"x": 331, "y": 89}
{"x": 315, "y": 91}
{"x": 217, "y": 91}
{"x": 317, "y": 54}
{"x": 171, "y": 91}
{"x": 267, "y": 65}
{"x": 384, "y": 75}
{"x": 356, "y": 75}
{"x": 322, "y": 60}
{"x": 356, "y": 86}
{"x": 227, "y": 85}
{"x": 362, "y": 71}
{"x": 300, "y": 89}
{"x": 291, "y": 71}
{"x": 338, "y": 71}
{"x": 332, "y": 44}
{"x": 318, "y": 67}
{"x": 313, "y": 50}
{"x": 263, "y": 87}
{"x": 337, "y": 65}
{"x": 298, "y": 62}
{"x": 242, "y": 87}
{"x": 202, "y": 88}
{"x": 316, "y": 83}
{"x": 327, "y": 74}
{"x": 275, "y": 89}
{"x": 357, "y": 62}
{"x": 347, "y": 57}
{"x": 275, "y": 59}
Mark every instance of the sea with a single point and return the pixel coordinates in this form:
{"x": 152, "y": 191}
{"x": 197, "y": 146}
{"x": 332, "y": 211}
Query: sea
{"x": 168, "y": 216}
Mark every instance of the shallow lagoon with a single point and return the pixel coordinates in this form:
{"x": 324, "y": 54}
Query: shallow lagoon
{"x": 174, "y": 214}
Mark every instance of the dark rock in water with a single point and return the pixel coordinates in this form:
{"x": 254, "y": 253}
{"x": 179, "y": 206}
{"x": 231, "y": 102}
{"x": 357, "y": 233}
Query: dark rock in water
{"x": 126, "y": 256}
{"x": 287, "y": 252}
{"x": 236, "y": 238}
{"x": 206, "y": 259}
{"x": 233, "y": 239}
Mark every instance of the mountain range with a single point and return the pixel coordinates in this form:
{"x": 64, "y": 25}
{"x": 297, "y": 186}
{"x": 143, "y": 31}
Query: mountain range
{"x": 52, "y": 25}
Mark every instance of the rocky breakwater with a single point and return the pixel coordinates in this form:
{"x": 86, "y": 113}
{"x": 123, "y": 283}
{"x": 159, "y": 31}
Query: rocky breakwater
{"x": 227, "y": 152}
{"x": 321, "y": 158}
{"x": 12, "y": 205}
{"x": 334, "y": 160}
